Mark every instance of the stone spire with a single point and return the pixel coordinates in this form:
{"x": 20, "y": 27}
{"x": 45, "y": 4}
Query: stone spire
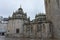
{"x": 20, "y": 6}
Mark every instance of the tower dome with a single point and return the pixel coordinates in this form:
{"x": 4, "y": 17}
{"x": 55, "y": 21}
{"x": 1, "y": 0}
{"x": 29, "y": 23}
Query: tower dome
{"x": 20, "y": 8}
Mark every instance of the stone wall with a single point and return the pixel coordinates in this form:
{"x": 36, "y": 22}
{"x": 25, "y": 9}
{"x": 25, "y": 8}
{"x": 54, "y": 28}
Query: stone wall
{"x": 13, "y": 25}
{"x": 53, "y": 15}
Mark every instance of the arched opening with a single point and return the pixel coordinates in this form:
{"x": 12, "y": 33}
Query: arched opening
{"x": 17, "y": 30}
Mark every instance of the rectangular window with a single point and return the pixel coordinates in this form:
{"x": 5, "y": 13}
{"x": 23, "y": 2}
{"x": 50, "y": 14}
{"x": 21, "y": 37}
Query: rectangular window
{"x": 27, "y": 28}
{"x": 31, "y": 29}
{"x": 50, "y": 27}
{"x": 57, "y": 2}
{"x": 17, "y": 30}
{"x": 39, "y": 28}
{"x": 46, "y": 3}
{"x": 49, "y": 1}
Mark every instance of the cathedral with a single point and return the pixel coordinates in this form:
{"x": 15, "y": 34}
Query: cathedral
{"x": 42, "y": 27}
{"x": 20, "y": 26}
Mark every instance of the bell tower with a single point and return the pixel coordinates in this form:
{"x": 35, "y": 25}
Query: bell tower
{"x": 53, "y": 15}
{"x": 52, "y": 8}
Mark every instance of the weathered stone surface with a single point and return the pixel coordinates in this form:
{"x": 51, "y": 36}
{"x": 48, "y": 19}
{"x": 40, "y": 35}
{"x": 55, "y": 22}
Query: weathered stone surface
{"x": 53, "y": 15}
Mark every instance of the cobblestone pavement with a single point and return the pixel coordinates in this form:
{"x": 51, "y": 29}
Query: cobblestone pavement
{"x": 2, "y": 37}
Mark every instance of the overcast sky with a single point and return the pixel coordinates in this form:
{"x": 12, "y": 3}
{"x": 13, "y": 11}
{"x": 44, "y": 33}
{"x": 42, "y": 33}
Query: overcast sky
{"x": 31, "y": 7}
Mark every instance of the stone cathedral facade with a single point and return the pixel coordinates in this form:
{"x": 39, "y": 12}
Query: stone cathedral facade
{"x": 43, "y": 27}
